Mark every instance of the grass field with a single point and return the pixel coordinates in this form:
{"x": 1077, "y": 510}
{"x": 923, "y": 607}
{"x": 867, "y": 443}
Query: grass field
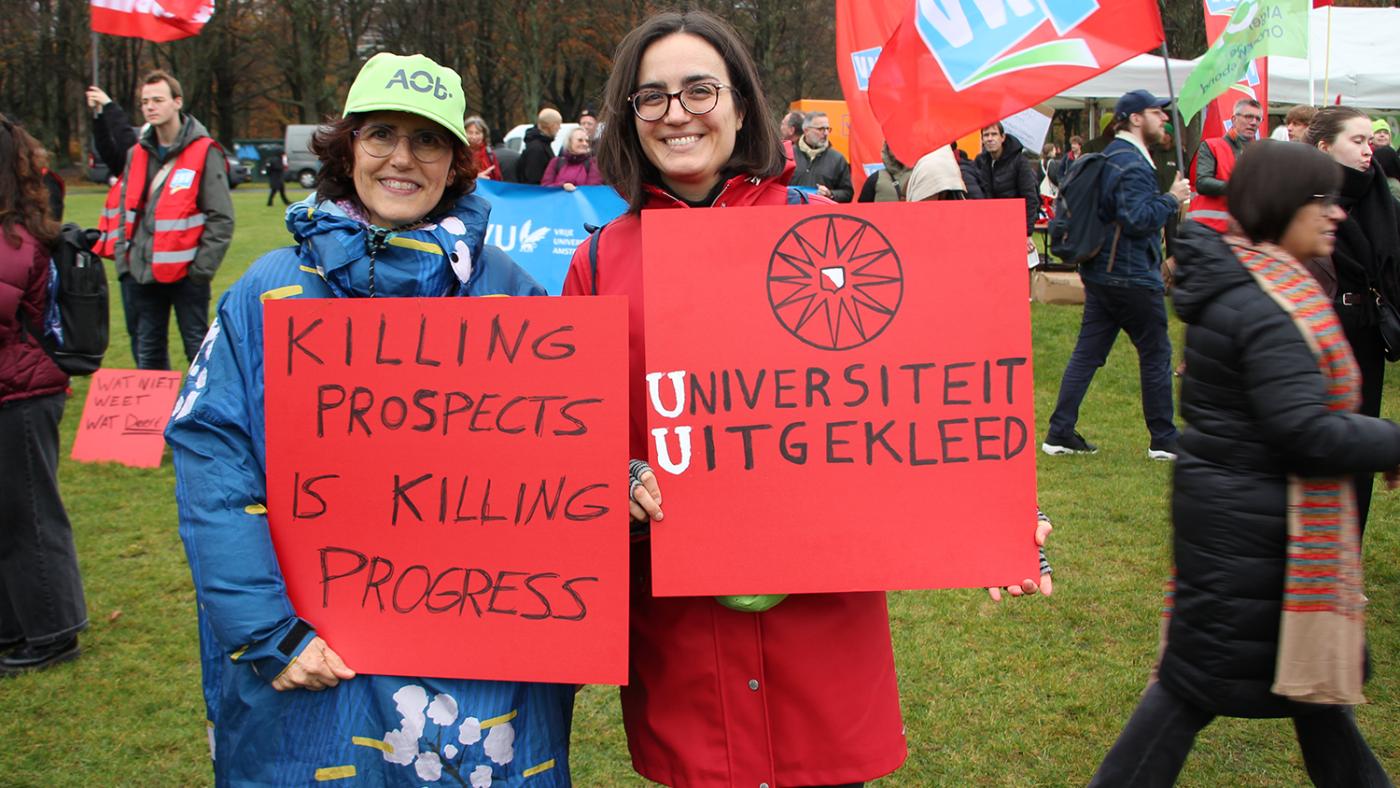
{"x": 1028, "y": 692}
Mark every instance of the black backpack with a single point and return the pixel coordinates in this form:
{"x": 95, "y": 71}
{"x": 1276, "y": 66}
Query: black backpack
{"x": 1078, "y": 231}
{"x": 80, "y": 302}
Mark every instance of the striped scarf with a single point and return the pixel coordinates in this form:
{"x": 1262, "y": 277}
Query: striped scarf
{"x": 1322, "y": 636}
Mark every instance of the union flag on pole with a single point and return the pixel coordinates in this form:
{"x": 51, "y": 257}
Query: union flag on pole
{"x": 153, "y": 20}
{"x": 953, "y": 66}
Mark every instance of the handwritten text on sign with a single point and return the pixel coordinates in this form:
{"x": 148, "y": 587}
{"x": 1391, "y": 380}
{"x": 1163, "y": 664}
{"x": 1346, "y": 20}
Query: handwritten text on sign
{"x": 124, "y": 417}
{"x": 840, "y": 399}
{"x": 446, "y": 482}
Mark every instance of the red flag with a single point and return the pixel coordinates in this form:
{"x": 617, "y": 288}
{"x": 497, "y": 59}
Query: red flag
{"x": 953, "y": 66}
{"x": 862, "y": 26}
{"x": 153, "y": 20}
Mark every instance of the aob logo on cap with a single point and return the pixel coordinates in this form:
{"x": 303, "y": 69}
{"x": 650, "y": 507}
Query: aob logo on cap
{"x": 421, "y": 81}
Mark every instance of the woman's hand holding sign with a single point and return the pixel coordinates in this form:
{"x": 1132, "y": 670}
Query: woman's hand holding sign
{"x": 315, "y": 668}
{"x": 1028, "y": 586}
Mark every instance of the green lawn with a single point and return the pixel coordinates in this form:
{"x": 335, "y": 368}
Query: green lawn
{"x": 1022, "y": 693}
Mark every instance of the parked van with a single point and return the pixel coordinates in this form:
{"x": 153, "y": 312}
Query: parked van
{"x": 302, "y": 164}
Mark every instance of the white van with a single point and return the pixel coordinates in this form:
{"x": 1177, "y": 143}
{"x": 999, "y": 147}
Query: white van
{"x": 302, "y": 164}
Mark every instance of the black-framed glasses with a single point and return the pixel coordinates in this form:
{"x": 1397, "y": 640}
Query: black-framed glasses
{"x": 1327, "y": 200}
{"x": 652, "y": 104}
{"x": 426, "y": 145}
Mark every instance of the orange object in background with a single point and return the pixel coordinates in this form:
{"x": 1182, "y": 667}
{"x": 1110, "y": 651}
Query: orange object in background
{"x": 840, "y": 120}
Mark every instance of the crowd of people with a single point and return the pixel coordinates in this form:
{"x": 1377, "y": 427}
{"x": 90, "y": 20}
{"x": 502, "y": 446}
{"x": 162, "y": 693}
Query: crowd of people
{"x": 1286, "y": 272}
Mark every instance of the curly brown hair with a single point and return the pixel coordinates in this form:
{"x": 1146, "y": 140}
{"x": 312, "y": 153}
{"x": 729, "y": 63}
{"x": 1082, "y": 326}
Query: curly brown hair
{"x": 23, "y": 199}
{"x": 334, "y": 144}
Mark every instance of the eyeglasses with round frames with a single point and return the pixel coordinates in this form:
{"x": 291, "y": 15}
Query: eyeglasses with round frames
{"x": 652, "y": 104}
{"x": 1326, "y": 200}
{"x": 381, "y": 142}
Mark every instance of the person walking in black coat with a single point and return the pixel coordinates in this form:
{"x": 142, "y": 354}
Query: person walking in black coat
{"x": 1366, "y": 263}
{"x": 1267, "y": 614}
{"x": 277, "y": 177}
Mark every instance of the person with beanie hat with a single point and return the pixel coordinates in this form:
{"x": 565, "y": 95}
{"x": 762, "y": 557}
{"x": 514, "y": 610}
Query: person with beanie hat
{"x": 1380, "y": 133}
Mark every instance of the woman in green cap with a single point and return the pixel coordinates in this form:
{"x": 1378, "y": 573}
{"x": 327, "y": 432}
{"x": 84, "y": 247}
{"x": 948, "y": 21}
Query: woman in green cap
{"x": 393, "y": 215}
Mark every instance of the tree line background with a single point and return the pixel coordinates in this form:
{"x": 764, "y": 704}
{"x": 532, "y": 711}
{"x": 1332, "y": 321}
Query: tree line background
{"x": 261, "y": 64}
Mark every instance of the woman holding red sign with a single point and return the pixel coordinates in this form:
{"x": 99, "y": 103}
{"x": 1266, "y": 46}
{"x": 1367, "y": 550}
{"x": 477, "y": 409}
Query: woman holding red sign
{"x": 757, "y": 691}
{"x": 393, "y": 215}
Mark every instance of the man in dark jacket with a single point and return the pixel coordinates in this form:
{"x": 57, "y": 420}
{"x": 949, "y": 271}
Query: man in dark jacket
{"x": 818, "y": 164}
{"x": 539, "y": 146}
{"x": 1215, "y": 159}
{"x": 1123, "y": 285}
{"x": 1006, "y": 173}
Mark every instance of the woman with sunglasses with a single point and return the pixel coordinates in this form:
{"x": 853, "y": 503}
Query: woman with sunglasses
{"x": 393, "y": 215}
{"x": 1266, "y": 618}
{"x": 1365, "y": 265}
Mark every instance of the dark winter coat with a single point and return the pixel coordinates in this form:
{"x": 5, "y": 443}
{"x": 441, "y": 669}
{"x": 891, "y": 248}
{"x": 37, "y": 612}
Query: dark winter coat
{"x": 1256, "y": 405}
{"x": 828, "y": 168}
{"x": 1011, "y": 175}
{"x": 25, "y": 369}
{"x": 113, "y": 136}
{"x": 535, "y": 157}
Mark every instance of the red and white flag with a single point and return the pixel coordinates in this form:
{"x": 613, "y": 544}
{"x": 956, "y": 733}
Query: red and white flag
{"x": 954, "y": 66}
{"x": 153, "y": 20}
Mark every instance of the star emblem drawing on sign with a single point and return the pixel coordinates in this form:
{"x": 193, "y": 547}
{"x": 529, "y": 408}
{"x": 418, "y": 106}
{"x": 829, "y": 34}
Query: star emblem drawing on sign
{"x": 834, "y": 282}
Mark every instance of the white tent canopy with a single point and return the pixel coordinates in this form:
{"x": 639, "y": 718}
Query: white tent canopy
{"x": 1363, "y": 66}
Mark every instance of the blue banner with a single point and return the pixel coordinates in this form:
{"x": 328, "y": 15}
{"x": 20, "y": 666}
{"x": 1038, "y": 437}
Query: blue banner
{"x": 539, "y": 226}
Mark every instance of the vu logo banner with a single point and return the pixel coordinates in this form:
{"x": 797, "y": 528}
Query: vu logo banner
{"x": 975, "y": 41}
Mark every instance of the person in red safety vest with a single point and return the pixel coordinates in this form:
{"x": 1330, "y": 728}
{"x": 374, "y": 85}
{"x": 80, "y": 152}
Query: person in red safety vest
{"x": 167, "y": 224}
{"x": 1214, "y": 160}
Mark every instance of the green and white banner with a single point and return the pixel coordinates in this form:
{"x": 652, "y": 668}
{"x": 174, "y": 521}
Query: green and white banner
{"x": 1256, "y": 28}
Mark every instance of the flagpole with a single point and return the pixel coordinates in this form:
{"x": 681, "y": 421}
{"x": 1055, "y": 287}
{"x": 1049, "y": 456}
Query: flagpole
{"x": 1176, "y": 114}
{"x": 1312, "y": 65}
{"x": 94, "y": 68}
{"x": 1327, "y": 64}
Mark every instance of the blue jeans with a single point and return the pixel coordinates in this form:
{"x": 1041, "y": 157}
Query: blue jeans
{"x": 148, "y": 311}
{"x": 1143, "y": 315}
{"x": 1153, "y": 746}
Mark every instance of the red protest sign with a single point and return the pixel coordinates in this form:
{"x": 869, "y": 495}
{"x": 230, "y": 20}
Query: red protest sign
{"x": 840, "y": 400}
{"x": 124, "y": 417}
{"x": 446, "y": 482}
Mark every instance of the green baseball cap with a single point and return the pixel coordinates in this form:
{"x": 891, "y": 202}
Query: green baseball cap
{"x": 410, "y": 83}
{"x": 1379, "y": 124}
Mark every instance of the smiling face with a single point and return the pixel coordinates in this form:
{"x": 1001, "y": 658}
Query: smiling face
{"x": 399, "y": 189}
{"x": 589, "y": 124}
{"x": 475, "y": 136}
{"x": 689, "y": 151}
{"x": 1350, "y": 148}
{"x": 1381, "y": 138}
{"x": 158, "y": 107}
{"x": 1313, "y": 231}
{"x": 578, "y": 141}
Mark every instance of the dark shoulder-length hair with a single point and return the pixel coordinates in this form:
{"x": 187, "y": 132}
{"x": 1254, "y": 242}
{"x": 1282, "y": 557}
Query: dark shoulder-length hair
{"x": 334, "y": 144}
{"x": 24, "y": 201}
{"x": 757, "y": 147}
{"x": 1273, "y": 180}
